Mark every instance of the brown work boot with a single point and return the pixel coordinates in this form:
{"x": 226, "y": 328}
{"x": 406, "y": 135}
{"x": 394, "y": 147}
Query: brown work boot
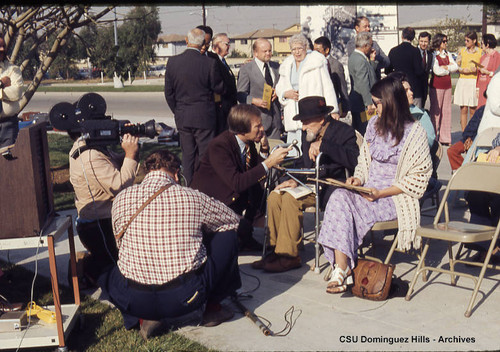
{"x": 215, "y": 314}
{"x": 282, "y": 263}
{"x": 149, "y": 328}
{"x": 259, "y": 264}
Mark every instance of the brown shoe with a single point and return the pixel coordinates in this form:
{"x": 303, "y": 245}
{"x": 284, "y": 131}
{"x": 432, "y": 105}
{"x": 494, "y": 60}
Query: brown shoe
{"x": 259, "y": 264}
{"x": 216, "y": 314}
{"x": 282, "y": 264}
{"x": 149, "y": 328}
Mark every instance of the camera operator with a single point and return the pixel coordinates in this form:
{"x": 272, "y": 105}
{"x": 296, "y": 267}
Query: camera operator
{"x": 11, "y": 90}
{"x": 97, "y": 175}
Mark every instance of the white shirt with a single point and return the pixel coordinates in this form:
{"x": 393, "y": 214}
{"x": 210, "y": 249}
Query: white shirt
{"x": 242, "y": 146}
{"x": 260, "y": 65}
{"x": 11, "y": 95}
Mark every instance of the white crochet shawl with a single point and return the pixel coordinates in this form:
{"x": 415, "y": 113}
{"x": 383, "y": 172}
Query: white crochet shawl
{"x": 412, "y": 175}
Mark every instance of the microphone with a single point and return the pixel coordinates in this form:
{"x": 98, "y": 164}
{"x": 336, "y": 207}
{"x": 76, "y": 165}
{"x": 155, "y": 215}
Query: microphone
{"x": 286, "y": 145}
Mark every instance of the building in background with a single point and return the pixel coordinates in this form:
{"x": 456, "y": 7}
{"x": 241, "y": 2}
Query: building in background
{"x": 169, "y": 45}
{"x": 278, "y": 38}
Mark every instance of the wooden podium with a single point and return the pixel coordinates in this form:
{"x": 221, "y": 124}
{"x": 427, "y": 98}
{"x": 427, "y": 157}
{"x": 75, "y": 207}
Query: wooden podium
{"x": 41, "y": 333}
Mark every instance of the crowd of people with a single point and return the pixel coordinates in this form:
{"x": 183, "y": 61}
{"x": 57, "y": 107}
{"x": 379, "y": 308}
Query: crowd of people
{"x": 163, "y": 250}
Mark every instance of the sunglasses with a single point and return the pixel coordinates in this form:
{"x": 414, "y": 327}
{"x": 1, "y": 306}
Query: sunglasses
{"x": 445, "y": 41}
{"x": 376, "y": 102}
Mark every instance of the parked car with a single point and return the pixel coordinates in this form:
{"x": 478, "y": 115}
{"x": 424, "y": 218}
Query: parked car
{"x": 157, "y": 70}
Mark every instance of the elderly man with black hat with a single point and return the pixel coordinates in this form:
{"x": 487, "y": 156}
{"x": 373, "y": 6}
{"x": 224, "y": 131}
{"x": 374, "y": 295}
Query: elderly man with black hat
{"x": 320, "y": 133}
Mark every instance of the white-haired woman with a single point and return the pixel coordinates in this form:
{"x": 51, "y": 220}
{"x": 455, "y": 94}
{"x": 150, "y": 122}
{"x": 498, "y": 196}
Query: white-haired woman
{"x": 304, "y": 73}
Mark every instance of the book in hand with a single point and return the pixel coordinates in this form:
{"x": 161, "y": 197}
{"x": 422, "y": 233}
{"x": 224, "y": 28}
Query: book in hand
{"x": 267, "y": 94}
{"x": 333, "y": 182}
{"x": 477, "y": 64}
{"x": 296, "y": 192}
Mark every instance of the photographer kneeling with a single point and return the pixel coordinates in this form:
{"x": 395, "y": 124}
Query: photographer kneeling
{"x": 178, "y": 251}
{"x": 97, "y": 175}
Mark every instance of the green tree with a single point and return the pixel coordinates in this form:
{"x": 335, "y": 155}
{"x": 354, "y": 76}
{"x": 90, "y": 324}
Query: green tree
{"x": 137, "y": 37}
{"x": 455, "y": 30}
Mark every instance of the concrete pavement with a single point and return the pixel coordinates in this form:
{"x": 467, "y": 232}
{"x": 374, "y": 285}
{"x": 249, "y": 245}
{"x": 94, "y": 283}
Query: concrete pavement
{"x": 432, "y": 320}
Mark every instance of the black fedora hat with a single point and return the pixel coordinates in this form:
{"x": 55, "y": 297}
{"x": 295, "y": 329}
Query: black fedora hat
{"x": 312, "y": 107}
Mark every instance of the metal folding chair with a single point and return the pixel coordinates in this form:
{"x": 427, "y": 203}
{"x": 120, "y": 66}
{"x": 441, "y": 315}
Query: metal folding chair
{"x": 482, "y": 177}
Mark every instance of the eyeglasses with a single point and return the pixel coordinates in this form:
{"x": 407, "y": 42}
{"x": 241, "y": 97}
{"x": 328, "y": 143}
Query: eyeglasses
{"x": 299, "y": 48}
{"x": 227, "y": 43}
{"x": 376, "y": 102}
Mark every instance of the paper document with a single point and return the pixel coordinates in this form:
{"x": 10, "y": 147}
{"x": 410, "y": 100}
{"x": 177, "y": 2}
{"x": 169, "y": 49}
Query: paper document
{"x": 482, "y": 158}
{"x": 297, "y": 192}
{"x": 267, "y": 95}
{"x": 333, "y": 182}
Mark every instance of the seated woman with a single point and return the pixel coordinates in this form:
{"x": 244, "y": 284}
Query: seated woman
{"x": 395, "y": 163}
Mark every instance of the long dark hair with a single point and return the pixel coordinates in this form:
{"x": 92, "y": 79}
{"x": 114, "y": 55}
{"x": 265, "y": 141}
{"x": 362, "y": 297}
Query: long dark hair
{"x": 395, "y": 108}
{"x": 437, "y": 40}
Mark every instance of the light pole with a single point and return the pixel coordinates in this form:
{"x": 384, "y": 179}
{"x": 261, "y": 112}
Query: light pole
{"x": 116, "y": 80}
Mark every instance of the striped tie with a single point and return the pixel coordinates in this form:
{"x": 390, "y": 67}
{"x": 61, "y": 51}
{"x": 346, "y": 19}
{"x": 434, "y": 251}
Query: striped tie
{"x": 247, "y": 157}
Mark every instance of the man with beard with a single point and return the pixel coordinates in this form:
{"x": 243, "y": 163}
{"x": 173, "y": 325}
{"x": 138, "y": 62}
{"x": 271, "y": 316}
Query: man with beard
{"x": 337, "y": 141}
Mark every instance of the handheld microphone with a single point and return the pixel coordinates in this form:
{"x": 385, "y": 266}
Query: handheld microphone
{"x": 286, "y": 145}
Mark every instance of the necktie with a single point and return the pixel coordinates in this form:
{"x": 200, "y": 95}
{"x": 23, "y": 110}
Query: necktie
{"x": 247, "y": 157}
{"x": 329, "y": 67}
{"x": 225, "y": 63}
{"x": 425, "y": 60}
{"x": 267, "y": 75}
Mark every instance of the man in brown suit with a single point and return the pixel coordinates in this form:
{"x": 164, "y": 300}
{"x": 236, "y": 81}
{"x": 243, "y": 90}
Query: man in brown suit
{"x": 231, "y": 169}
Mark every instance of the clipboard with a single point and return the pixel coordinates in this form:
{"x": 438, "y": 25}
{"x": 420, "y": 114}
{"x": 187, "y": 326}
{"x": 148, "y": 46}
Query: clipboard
{"x": 267, "y": 94}
{"x": 333, "y": 182}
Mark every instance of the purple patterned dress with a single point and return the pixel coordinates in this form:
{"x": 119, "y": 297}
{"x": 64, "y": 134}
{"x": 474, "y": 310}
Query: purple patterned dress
{"x": 348, "y": 216}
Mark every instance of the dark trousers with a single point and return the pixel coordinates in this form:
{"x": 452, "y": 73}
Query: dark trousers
{"x": 357, "y": 124}
{"x": 217, "y": 279}
{"x": 9, "y": 128}
{"x": 484, "y": 210}
{"x": 101, "y": 246}
{"x": 194, "y": 142}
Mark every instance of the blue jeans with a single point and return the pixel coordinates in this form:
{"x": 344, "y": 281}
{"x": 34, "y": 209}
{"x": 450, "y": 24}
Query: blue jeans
{"x": 217, "y": 279}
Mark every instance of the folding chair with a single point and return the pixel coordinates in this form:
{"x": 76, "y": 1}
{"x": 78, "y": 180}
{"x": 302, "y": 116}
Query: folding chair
{"x": 482, "y": 177}
{"x": 433, "y": 196}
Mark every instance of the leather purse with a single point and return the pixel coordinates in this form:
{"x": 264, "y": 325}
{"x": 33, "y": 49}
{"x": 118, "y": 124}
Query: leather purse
{"x": 372, "y": 280}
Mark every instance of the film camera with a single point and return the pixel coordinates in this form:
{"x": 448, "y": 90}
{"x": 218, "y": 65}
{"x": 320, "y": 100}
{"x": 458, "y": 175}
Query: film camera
{"x": 88, "y": 117}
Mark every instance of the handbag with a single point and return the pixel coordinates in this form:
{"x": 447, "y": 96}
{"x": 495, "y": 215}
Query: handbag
{"x": 372, "y": 280}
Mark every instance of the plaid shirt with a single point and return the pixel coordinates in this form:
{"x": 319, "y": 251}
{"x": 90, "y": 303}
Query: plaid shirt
{"x": 165, "y": 239}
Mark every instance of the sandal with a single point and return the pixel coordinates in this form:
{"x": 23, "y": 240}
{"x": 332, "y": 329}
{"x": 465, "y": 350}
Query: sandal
{"x": 339, "y": 280}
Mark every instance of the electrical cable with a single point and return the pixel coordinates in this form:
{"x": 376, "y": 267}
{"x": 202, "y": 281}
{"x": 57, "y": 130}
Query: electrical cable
{"x": 32, "y": 289}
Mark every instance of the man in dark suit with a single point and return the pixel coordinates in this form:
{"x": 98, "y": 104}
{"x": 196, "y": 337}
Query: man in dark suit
{"x": 225, "y": 101}
{"x": 231, "y": 169}
{"x": 362, "y": 24}
{"x": 191, "y": 79}
{"x": 424, "y": 39}
{"x": 251, "y": 80}
{"x": 337, "y": 141}
{"x": 208, "y": 38}
{"x": 407, "y": 59}
{"x": 362, "y": 74}
{"x": 336, "y": 70}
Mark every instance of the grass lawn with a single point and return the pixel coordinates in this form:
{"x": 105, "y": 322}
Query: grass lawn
{"x": 102, "y": 326}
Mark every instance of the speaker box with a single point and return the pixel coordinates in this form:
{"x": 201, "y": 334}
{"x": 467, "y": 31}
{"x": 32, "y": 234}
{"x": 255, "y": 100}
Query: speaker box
{"x": 26, "y": 199}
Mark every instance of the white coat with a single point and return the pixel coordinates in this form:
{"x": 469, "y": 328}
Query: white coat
{"x": 314, "y": 80}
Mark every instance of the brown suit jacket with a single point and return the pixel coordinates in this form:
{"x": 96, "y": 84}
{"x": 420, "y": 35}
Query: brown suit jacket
{"x": 222, "y": 175}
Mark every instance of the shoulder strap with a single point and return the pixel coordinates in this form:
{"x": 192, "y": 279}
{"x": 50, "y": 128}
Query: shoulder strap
{"x": 156, "y": 194}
